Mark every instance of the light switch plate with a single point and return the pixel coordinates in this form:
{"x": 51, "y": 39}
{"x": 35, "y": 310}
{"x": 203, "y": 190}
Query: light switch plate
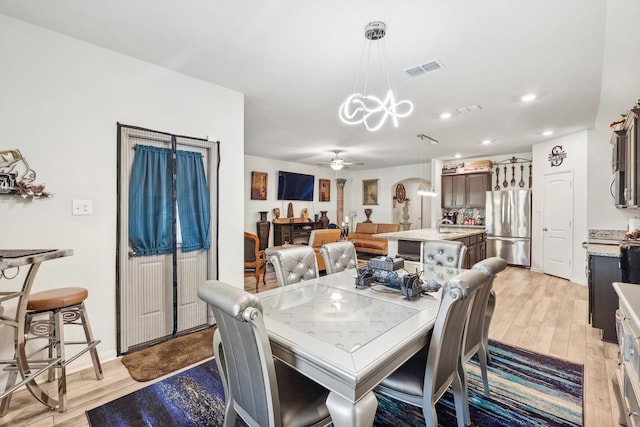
{"x": 82, "y": 207}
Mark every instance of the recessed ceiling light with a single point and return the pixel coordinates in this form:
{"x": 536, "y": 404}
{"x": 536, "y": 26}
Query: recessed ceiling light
{"x": 528, "y": 97}
{"x": 457, "y": 156}
{"x": 486, "y": 142}
{"x": 445, "y": 115}
{"x": 547, "y": 132}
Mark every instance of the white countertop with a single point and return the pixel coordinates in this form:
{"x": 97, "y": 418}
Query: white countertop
{"x": 603, "y": 250}
{"x": 430, "y": 234}
{"x": 629, "y": 295}
{"x": 477, "y": 227}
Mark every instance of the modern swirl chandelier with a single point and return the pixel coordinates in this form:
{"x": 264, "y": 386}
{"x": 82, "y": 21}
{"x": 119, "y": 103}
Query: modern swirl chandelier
{"x": 361, "y": 106}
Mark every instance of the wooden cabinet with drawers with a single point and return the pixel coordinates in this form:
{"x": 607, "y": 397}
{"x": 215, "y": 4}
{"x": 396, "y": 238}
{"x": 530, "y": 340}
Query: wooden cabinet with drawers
{"x": 294, "y": 232}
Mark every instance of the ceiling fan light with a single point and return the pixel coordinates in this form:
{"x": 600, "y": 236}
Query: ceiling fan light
{"x": 337, "y": 166}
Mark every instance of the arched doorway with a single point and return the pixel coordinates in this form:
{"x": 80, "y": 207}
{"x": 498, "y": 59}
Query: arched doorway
{"x": 416, "y": 212}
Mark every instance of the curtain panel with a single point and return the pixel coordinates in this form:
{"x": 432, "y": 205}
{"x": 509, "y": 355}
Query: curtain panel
{"x": 150, "y": 201}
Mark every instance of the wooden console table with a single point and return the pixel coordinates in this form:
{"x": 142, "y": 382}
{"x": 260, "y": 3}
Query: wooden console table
{"x": 294, "y": 232}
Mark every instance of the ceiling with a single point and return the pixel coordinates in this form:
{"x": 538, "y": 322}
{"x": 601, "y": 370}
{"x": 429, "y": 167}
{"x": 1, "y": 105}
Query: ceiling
{"x": 297, "y": 60}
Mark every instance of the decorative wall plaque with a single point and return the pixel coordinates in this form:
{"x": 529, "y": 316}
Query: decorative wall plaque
{"x": 557, "y": 155}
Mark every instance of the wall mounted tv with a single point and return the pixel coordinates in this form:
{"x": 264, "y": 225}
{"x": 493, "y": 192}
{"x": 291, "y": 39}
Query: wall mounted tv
{"x": 295, "y": 186}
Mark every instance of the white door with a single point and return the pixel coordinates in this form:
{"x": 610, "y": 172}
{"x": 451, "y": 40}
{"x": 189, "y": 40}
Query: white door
{"x": 146, "y": 297}
{"x": 557, "y": 220}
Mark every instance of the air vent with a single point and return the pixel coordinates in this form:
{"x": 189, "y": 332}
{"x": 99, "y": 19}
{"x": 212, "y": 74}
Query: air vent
{"x": 427, "y": 67}
{"x": 469, "y": 109}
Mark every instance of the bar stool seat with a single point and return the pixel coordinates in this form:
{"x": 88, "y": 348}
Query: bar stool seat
{"x": 48, "y": 313}
{"x": 56, "y": 298}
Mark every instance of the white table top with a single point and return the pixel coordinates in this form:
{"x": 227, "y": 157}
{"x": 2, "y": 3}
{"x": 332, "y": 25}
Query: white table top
{"x": 344, "y": 338}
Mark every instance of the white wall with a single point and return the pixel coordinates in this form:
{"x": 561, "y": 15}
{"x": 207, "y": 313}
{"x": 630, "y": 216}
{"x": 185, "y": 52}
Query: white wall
{"x": 387, "y": 179}
{"x": 575, "y": 146}
{"x": 620, "y": 90}
{"x": 383, "y": 212}
{"x": 60, "y": 101}
{"x": 271, "y": 167}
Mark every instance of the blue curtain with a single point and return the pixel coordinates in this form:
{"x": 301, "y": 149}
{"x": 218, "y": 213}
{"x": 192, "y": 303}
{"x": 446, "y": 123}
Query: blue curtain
{"x": 194, "y": 209}
{"x": 150, "y": 201}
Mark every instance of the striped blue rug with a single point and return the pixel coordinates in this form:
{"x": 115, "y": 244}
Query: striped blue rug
{"x": 527, "y": 389}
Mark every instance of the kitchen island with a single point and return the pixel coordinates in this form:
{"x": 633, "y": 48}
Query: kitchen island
{"x": 406, "y": 244}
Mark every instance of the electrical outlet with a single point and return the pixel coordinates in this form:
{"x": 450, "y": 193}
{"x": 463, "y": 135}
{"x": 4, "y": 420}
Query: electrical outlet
{"x": 82, "y": 207}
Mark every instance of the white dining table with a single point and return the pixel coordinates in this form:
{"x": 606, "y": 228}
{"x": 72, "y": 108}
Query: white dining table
{"x": 349, "y": 339}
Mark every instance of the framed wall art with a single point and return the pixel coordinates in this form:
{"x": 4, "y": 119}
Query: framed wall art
{"x": 324, "y": 190}
{"x": 258, "y": 185}
{"x": 369, "y": 191}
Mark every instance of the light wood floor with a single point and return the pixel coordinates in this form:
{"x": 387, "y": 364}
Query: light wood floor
{"x": 534, "y": 311}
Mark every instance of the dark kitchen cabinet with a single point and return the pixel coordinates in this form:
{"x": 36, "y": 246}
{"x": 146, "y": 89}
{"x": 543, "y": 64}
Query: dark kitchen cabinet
{"x": 603, "y": 301}
{"x": 453, "y": 191}
{"x": 465, "y": 191}
{"x": 477, "y": 186}
{"x": 476, "y": 249}
{"x": 632, "y": 159}
{"x": 625, "y": 162}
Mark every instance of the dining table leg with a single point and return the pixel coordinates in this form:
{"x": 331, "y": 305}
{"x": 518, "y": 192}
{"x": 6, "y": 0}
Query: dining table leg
{"x": 345, "y": 413}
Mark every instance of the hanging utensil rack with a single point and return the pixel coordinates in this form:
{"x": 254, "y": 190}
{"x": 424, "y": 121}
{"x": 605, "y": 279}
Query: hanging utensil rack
{"x": 512, "y": 161}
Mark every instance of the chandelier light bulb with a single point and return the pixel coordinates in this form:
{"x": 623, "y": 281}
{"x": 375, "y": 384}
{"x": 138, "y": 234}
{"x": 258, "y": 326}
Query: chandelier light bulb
{"x": 371, "y": 110}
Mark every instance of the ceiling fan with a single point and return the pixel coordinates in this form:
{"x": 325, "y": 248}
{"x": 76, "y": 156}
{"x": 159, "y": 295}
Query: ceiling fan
{"x": 338, "y": 163}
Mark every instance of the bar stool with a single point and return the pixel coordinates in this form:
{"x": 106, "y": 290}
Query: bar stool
{"x": 48, "y": 313}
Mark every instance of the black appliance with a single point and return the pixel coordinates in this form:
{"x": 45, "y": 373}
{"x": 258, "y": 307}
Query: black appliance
{"x": 630, "y": 263}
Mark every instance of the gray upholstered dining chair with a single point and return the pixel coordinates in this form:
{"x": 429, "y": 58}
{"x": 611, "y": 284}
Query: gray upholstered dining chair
{"x": 294, "y": 263}
{"x": 448, "y": 253}
{"x": 260, "y": 389}
{"x": 339, "y": 256}
{"x": 424, "y": 378}
{"x": 477, "y": 329}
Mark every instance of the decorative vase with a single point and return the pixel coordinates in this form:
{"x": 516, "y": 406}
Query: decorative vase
{"x": 324, "y": 219}
{"x": 263, "y": 227}
{"x": 368, "y": 213}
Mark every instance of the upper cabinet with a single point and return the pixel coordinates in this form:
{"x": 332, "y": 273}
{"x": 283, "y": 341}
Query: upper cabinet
{"x": 465, "y": 191}
{"x": 626, "y": 163}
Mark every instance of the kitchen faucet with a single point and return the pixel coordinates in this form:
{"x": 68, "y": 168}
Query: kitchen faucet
{"x": 442, "y": 221}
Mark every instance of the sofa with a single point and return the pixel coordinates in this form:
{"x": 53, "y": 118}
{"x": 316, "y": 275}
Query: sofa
{"x": 364, "y": 241}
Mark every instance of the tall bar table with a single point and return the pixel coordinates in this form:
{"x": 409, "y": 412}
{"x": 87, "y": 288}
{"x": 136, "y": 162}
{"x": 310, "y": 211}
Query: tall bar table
{"x": 16, "y": 258}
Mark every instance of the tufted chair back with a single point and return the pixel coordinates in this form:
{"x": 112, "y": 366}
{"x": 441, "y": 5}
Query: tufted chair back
{"x": 294, "y": 264}
{"x": 423, "y": 379}
{"x": 477, "y": 334}
{"x": 443, "y": 252}
{"x": 339, "y": 256}
{"x": 258, "y": 388}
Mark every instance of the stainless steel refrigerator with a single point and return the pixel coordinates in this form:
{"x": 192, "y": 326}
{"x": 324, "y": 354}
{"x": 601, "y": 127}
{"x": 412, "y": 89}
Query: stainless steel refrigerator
{"x": 508, "y": 224}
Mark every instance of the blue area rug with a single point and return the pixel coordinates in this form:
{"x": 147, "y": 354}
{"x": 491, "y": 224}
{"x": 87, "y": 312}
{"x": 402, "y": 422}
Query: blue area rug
{"x": 527, "y": 389}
